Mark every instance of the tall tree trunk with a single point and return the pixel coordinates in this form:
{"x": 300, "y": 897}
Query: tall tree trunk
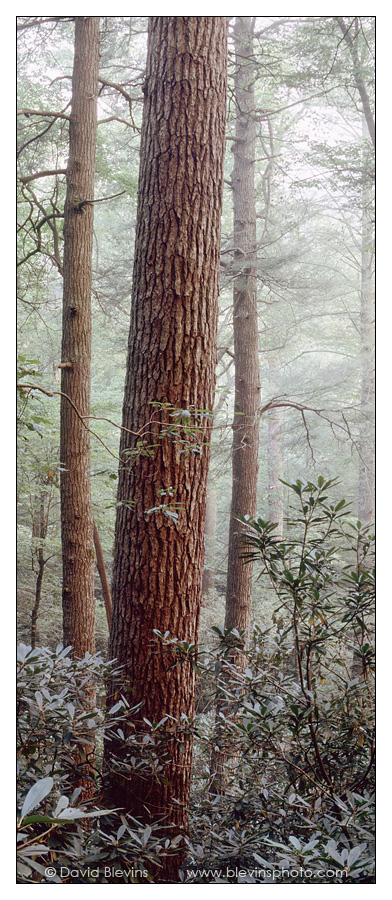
{"x": 208, "y": 581}
{"x": 76, "y": 510}
{"x": 274, "y": 450}
{"x": 366, "y": 493}
{"x": 158, "y": 558}
{"x": 245, "y": 323}
{"x": 246, "y": 360}
{"x": 40, "y": 530}
{"x": 350, "y": 31}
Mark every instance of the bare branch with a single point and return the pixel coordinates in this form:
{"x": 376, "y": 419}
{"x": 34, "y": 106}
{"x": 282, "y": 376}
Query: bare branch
{"x": 84, "y": 203}
{"x": 35, "y": 22}
{"x": 118, "y": 119}
{"x": 42, "y": 112}
{"x": 26, "y": 178}
{"x": 360, "y": 84}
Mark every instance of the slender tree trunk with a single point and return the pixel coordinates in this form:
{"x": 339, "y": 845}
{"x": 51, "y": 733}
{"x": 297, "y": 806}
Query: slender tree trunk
{"x": 158, "y": 559}
{"x": 38, "y": 594}
{"x": 246, "y": 359}
{"x": 76, "y": 511}
{"x": 102, "y": 574}
{"x": 275, "y": 458}
{"x": 350, "y": 32}
{"x": 208, "y": 581}
{"x": 366, "y": 494}
{"x": 366, "y": 499}
{"x": 366, "y": 468}
{"x": 40, "y": 530}
{"x": 245, "y": 322}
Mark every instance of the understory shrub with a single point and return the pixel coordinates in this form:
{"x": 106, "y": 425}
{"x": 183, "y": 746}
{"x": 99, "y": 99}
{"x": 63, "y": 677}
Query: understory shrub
{"x": 296, "y": 711}
{"x": 296, "y": 732}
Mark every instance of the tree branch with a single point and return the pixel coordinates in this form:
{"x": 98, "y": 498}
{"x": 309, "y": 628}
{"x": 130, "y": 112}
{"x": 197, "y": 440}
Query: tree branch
{"x": 360, "y": 84}
{"x": 36, "y": 22}
{"x": 42, "y": 112}
{"x": 26, "y": 178}
{"x": 84, "y": 203}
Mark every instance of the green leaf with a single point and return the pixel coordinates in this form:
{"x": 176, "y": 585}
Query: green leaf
{"x": 35, "y": 850}
{"x": 262, "y": 862}
{"x": 36, "y": 794}
{"x": 22, "y": 869}
{"x": 62, "y": 804}
{"x": 146, "y": 834}
{"x": 355, "y": 853}
{"x": 71, "y": 813}
{"x": 295, "y": 842}
{"x": 116, "y": 707}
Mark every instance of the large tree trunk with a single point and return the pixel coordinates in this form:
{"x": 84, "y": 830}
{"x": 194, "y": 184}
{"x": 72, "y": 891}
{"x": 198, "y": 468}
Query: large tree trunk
{"x": 246, "y": 359}
{"x": 158, "y": 558}
{"x": 76, "y": 511}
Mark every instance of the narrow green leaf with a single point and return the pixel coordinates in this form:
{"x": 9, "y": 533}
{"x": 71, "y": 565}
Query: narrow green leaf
{"x": 295, "y": 842}
{"x": 36, "y": 794}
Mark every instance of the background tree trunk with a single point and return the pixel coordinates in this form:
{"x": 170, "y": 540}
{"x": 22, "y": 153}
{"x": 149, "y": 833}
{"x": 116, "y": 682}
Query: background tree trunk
{"x": 76, "y": 511}
{"x": 208, "y": 581}
{"x": 275, "y": 458}
{"x": 102, "y": 574}
{"x": 40, "y": 530}
{"x": 350, "y": 31}
{"x": 366, "y": 493}
{"x": 158, "y": 557}
{"x": 246, "y": 360}
{"x": 245, "y": 324}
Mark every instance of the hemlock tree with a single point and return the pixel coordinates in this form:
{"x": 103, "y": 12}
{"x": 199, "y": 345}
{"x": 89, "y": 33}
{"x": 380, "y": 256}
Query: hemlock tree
{"x": 245, "y": 445}
{"x": 159, "y": 536}
{"x": 76, "y": 511}
{"x": 366, "y": 492}
{"x": 246, "y": 329}
{"x": 358, "y": 39}
{"x": 353, "y": 34}
{"x": 275, "y": 453}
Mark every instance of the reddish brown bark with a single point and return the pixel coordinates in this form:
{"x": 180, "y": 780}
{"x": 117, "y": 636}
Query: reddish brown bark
{"x": 158, "y": 559}
{"x": 76, "y": 511}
